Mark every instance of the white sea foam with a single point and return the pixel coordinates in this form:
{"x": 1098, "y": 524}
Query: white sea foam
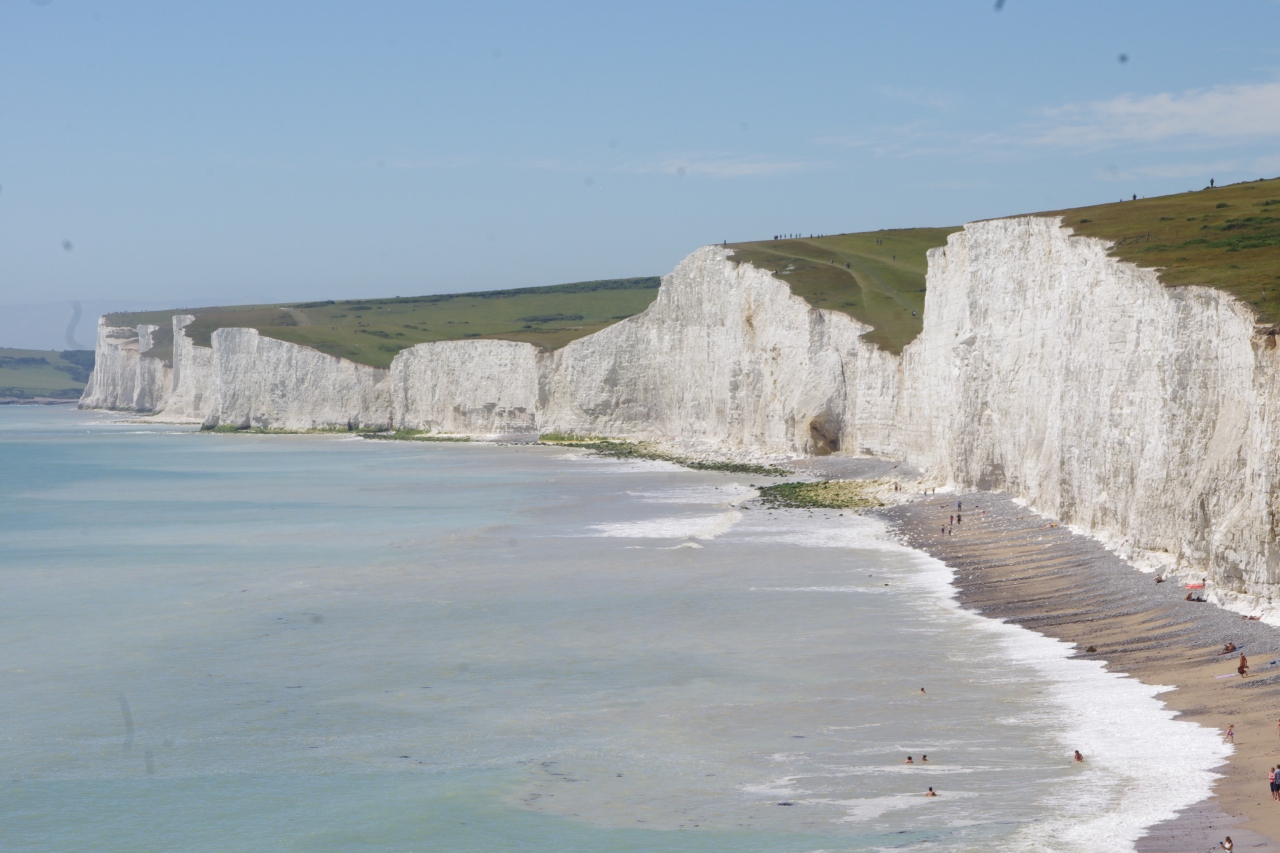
{"x": 858, "y": 589}
{"x": 609, "y": 465}
{"x": 676, "y": 527}
{"x": 730, "y": 493}
{"x": 826, "y": 529}
{"x": 1142, "y": 765}
{"x": 784, "y": 787}
{"x": 868, "y": 808}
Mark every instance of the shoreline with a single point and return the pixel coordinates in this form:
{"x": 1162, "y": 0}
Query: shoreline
{"x": 1013, "y": 565}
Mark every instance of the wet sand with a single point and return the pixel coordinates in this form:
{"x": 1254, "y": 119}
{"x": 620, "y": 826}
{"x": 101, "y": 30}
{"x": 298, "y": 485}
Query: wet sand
{"x": 1013, "y": 565}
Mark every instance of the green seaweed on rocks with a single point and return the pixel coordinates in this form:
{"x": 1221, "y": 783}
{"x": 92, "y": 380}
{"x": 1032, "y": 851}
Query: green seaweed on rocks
{"x": 414, "y": 435}
{"x": 615, "y": 449}
{"x": 824, "y": 494}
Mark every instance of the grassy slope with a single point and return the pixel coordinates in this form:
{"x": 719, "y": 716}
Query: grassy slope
{"x": 55, "y": 377}
{"x": 372, "y": 331}
{"x": 1227, "y": 237}
{"x": 882, "y": 286}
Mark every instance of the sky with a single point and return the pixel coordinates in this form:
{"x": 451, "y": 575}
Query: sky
{"x": 180, "y": 154}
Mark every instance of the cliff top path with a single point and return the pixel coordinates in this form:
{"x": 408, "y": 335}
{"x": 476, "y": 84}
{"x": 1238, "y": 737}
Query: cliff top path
{"x": 1014, "y": 565}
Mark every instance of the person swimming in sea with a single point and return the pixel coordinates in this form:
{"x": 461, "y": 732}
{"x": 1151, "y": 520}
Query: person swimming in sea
{"x": 924, "y": 759}
{"x": 909, "y": 761}
{"x": 931, "y": 793}
{"x": 1078, "y": 758}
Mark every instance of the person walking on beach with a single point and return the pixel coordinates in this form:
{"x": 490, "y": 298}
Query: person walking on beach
{"x": 1230, "y": 735}
{"x": 1228, "y": 844}
{"x": 1271, "y": 782}
{"x": 1243, "y": 668}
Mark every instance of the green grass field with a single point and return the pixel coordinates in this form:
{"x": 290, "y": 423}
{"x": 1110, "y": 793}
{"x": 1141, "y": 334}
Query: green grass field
{"x": 26, "y": 373}
{"x": 1226, "y": 237}
{"x": 876, "y": 276}
{"x": 372, "y": 331}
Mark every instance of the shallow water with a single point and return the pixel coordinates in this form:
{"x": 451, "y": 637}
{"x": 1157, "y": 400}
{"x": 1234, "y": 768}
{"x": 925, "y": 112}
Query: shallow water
{"x": 275, "y": 643}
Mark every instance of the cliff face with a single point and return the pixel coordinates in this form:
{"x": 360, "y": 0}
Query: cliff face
{"x": 262, "y": 382}
{"x": 476, "y": 387}
{"x": 123, "y": 377}
{"x": 725, "y": 358}
{"x": 1079, "y": 383}
{"x": 1137, "y": 412}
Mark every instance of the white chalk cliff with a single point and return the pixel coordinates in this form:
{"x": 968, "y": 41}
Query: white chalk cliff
{"x": 1137, "y": 412}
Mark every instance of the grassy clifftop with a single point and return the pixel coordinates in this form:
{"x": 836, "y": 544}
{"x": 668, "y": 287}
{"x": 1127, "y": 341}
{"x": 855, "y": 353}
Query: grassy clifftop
{"x": 372, "y": 331}
{"x": 1223, "y": 237}
{"x": 876, "y": 277}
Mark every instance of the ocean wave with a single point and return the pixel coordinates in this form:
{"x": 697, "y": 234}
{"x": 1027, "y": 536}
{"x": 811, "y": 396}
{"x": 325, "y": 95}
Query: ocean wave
{"x": 820, "y": 589}
{"x": 869, "y": 808}
{"x": 731, "y": 493}
{"x": 677, "y": 527}
{"x": 1142, "y": 765}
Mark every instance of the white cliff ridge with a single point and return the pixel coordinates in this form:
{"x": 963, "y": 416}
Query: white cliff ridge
{"x": 1138, "y": 412}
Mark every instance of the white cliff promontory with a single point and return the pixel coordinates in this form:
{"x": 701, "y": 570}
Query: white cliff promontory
{"x": 725, "y": 359}
{"x": 123, "y": 377}
{"x": 1138, "y": 412}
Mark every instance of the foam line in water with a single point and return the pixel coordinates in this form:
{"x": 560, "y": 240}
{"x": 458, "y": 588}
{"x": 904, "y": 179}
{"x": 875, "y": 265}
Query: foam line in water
{"x": 678, "y": 527}
{"x": 1141, "y": 765}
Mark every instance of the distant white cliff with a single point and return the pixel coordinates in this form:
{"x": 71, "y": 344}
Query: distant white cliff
{"x": 1140, "y": 413}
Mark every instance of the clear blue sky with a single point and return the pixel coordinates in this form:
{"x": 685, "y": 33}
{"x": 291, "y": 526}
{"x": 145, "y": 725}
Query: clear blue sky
{"x": 246, "y": 152}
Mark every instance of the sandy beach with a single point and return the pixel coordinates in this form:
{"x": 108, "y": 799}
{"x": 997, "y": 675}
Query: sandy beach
{"x": 1014, "y": 565}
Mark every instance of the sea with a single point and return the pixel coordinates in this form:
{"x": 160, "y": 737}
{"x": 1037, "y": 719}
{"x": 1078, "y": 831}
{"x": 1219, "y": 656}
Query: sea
{"x": 216, "y": 642}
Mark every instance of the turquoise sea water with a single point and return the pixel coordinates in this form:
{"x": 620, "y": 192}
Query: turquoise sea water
{"x": 310, "y": 643}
